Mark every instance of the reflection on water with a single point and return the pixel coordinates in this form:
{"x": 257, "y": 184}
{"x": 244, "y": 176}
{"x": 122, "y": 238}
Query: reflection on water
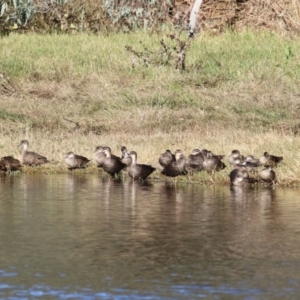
{"x": 77, "y": 237}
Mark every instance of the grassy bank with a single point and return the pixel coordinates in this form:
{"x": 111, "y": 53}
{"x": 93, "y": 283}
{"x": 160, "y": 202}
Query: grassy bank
{"x": 72, "y": 93}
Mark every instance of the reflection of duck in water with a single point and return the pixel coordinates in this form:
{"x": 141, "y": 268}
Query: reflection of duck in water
{"x": 75, "y": 161}
{"x": 31, "y": 158}
{"x": 177, "y": 167}
{"x": 10, "y": 164}
{"x": 138, "y": 171}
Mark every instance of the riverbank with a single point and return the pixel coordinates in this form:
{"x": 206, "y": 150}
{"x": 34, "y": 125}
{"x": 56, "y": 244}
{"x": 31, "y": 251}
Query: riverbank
{"x": 72, "y": 93}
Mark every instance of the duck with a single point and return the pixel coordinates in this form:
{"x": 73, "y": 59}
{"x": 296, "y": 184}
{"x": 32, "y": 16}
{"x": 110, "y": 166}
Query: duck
{"x": 213, "y": 163}
{"x": 138, "y": 171}
{"x": 204, "y": 152}
{"x": 270, "y": 160}
{"x": 30, "y": 158}
{"x": 10, "y": 164}
{"x": 166, "y": 158}
{"x": 239, "y": 176}
{"x": 176, "y": 167}
{"x": 235, "y": 158}
{"x": 249, "y": 166}
{"x": 252, "y": 159}
{"x": 195, "y": 160}
{"x": 99, "y": 156}
{"x": 75, "y": 161}
{"x": 125, "y": 157}
{"x": 111, "y": 163}
{"x": 268, "y": 175}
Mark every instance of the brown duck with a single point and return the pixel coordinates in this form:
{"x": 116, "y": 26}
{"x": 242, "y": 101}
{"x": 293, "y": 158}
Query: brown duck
{"x": 249, "y": 166}
{"x": 125, "y": 157}
{"x": 10, "y": 164}
{"x": 166, "y": 158}
{"x": 112, "y": 164}
{"x": 268, "y": 175}
{"x": 75, "y": 161}
{"x": 239, "y": 176}
{"x": 195, "y": 161}
{"x": 31, "y": 158}
{"x": 138, "y": 171}
{"x": 270, "y": 160}
{"x": 213, "y": 163}
{"x": 177, "y": 167}
{"x": 99, "y": 156}
{"x": 235, "y": 158}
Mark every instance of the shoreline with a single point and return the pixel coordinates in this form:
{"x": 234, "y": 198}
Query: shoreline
{"x": 239, "y": 91}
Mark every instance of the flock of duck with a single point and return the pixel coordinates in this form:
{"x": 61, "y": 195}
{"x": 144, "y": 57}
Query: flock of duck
{"x": 172, "y": 164}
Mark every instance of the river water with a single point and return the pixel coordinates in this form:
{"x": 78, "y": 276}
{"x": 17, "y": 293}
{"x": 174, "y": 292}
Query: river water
{"x": 84, "y": 237}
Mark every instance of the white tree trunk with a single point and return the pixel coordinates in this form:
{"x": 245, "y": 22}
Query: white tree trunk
{"x": 194, "y": 15}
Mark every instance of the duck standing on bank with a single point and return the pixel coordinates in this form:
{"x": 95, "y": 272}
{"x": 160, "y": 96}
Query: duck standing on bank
{"x": 125, "y": 157}
{"x": 213, "y": 163}
{"x": 166, "y": 158}
{"x": 235, "y": 158}
{"x": 75, "y": 161}
{"x": 177, "y": 167}
{"x": 270, "y": 160}
{"x": 138, "y": 171}
{"x": 268, "y": 175}
{"x": 195, "y": 161}
{"x": 10, "y": 164}
{"x": 99, "y": 156}
{"x": 112, "y": 164}
{"x": 239, "y": 176}
{"x": 30, "y": 158}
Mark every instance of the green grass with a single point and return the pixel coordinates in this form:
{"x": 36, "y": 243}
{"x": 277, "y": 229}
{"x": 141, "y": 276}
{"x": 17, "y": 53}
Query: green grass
{"x": 239, "y": 90}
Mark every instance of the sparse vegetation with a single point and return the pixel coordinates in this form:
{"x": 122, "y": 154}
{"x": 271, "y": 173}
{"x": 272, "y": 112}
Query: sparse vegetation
{"x": 71, "y": 93}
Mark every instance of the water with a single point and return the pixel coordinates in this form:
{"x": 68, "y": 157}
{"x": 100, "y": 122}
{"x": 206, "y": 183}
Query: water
{"x": 83, "y": 237}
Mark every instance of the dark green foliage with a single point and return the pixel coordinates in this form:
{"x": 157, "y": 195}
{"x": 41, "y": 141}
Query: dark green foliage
{"x": 80, "y": 15}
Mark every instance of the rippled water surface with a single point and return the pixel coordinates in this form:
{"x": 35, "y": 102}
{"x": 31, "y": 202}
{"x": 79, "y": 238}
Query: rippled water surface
{"x": 82, "y": 237}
